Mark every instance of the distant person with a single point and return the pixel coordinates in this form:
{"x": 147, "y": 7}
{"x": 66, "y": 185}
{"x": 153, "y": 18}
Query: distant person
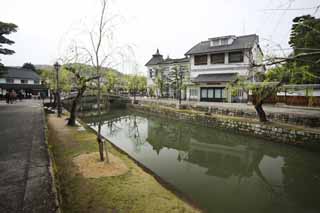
{"x": 20, "y": 96}
{"x": 13, "y": 96}
{"x": 7, "y": 97}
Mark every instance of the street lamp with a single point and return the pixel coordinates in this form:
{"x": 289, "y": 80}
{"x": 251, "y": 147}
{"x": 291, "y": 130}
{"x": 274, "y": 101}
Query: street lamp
{"x": 57, "y": 68}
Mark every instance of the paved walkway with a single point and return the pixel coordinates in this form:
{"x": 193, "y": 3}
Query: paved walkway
{"x": 25, "y": 181}
{"x": 296, "y": 110}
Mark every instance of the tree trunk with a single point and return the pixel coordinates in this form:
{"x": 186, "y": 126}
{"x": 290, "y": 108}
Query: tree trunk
{"x": 99, "y": 139}
{"x": 74, "y": 107}
{"x": 50, "y": 98}
{"x": 54, "y": 105}
{"x": 261, "y": 114}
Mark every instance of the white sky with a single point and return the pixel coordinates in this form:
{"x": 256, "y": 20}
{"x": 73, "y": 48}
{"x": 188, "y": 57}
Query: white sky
{"x": 173, "y": 26}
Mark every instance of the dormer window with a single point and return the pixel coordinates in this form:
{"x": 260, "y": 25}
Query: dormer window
{"x": 214, "y": 43}
{"x": 221, "y": 41}
{"x": 224, "y": 41}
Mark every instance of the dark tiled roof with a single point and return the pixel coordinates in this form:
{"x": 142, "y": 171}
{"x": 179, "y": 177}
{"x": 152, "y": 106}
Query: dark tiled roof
{"x": 154, "y": 60}
{"x": 20, "y": 73}
{"x": 241, "y": 42}
{"x": 214, "y": 78}
{"x": 174, "y": 61}
{"x": 158, "y": 59}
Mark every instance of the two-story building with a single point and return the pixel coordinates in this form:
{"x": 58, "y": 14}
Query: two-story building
{"x": 210, "y": 66}
{"x": 216, "y": 62}
{"x": 24, "y": 81}
{"x": 164, "y": 73}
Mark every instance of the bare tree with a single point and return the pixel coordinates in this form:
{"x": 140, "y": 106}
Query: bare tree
{"x": 100, "y": 55}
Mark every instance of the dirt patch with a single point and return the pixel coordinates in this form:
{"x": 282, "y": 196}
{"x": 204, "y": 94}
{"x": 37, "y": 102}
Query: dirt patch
{"x": 90, "y": 166}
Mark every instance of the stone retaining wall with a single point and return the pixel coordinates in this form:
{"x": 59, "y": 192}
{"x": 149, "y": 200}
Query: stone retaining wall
{"x": 268, "y": 130}
{"x": 308, "y": 121}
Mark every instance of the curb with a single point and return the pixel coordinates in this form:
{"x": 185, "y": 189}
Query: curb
{"x": 51, "y": 163}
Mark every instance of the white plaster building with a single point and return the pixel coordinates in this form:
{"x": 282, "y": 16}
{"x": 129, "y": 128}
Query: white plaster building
{"x": 21, "y": 80}
{"x": 210, "y": 66}
{"x": 163, "y": 70}
{"x": 216, "y": 62}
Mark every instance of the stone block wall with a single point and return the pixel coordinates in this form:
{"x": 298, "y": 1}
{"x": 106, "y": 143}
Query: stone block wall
{"x": 268, "y": 131}
{"x": 307, "y": 121}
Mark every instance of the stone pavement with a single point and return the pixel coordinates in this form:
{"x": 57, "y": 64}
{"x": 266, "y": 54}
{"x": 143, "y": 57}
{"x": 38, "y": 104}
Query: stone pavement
{"x": 296, "y": 110}
{"x": 25, "y": 178}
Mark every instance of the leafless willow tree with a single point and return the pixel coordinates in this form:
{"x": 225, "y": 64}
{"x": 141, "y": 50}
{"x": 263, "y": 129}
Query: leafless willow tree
{"x": 82, "y": 77}
{"x": 98, "y": 49}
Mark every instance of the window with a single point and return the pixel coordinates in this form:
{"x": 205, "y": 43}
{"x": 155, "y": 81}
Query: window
{"x": 200, "y": 60}
{"x": 218, "y": 93}
{"x": 24, "y": 81}
{"x": 193, "y": 92}
{"x": 224, "y": 41}
{"x": 215, "y": 43}
{"x": 8, "y": 80}
{"x": 212, "y": 94}
{"x": 217, "y": 58}
{"x": 236, "y": 57}
{"x": 204, "y": 93}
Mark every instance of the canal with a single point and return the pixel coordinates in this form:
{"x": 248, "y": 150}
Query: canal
{"x": 220, "y": 170}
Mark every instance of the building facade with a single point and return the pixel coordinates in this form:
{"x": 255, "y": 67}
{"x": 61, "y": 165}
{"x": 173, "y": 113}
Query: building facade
{"x": 23, "y": 81}
{"x": 218, "y": 61}
{"x": 211, "y": 65}
{"x": 165, "y": 76}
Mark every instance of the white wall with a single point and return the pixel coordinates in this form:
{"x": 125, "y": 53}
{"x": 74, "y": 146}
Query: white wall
{"x": 240, "y": 68}
{"x": 16, "y": 81}
{"x": 30, "y": 81}
{"x": 315, "y": 93}
{"x": 2, "y": 80}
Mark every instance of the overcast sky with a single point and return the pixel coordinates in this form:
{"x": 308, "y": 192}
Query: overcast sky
{"x": 173, "y": 26}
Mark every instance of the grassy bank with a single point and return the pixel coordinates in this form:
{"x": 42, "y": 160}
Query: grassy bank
{"x": 135, "y": 191}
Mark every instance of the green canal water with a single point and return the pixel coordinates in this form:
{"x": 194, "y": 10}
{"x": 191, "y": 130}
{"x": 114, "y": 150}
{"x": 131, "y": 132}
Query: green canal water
{"x": 220, "y": 170}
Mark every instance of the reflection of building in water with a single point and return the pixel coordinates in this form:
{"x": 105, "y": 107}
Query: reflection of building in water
{"x": 163, "y": 134}
{"x": 223, "y": 154}
{"x": 224, "y": 161}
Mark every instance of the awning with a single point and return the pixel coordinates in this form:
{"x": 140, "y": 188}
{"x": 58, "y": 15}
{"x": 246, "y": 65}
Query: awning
{"x": 23, "y": 86}
{"x": 215, "y": 78}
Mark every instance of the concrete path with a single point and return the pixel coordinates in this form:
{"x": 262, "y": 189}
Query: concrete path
{"x": 296, "y": 110}
{"x": 25, "y": 180}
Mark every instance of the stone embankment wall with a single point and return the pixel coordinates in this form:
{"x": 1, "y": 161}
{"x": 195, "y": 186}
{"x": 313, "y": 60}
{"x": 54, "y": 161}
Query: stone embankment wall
{"x": 303, "y": 120}
{"x": 89, "y": 103}
{"x": 275, "y": 132}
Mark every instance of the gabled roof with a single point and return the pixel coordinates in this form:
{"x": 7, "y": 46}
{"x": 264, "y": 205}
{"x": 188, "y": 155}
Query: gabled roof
{"x": 156, "y": 59}
{"x": 20, "y": 73}
{"x": 240, "y": 43}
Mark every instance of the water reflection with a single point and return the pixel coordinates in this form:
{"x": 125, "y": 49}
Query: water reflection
{"x": 222, "y": 171}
